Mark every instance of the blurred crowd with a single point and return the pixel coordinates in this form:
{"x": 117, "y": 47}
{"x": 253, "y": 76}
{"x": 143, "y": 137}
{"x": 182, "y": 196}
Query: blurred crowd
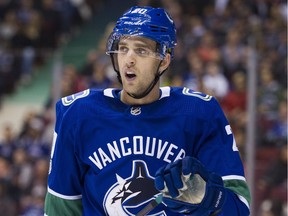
{"x": 31, "y": 30}
{"x": 215, "y": 41}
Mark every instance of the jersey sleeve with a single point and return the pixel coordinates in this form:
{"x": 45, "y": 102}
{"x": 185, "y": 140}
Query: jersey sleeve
{"x": 64, "y": 179}
{"x": 219, "y": 153}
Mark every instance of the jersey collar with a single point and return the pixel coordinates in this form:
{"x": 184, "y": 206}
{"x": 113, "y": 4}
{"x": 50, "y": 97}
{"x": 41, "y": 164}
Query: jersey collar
{"x": 111, "y": 92}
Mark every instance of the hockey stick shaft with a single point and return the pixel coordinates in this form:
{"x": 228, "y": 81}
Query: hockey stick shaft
{"x": 151, "y": 205}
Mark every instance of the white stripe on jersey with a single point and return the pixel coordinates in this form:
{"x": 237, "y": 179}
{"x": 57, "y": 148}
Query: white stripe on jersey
{"x": 243, "y": 200}
{"x": 233, "y": 177}
{"x": 75, "y": 197}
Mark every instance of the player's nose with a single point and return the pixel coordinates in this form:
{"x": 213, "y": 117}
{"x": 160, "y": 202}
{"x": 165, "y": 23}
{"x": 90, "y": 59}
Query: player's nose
{"x": 130, "y": 59}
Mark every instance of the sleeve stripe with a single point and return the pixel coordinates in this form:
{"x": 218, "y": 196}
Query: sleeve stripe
{"x": 233, "y": 177}
{"x": 75, "y": 197}
{"x": 238, "y": 185}
{"x": 243, "y": 200}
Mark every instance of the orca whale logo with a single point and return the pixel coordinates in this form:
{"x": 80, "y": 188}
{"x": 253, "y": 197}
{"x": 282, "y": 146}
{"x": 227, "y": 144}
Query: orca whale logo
{"x": 129, "y": 195}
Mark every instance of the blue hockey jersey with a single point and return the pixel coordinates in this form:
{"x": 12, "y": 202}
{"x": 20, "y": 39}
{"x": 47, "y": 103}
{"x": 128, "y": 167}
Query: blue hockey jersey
{"x": 105, "y": 153}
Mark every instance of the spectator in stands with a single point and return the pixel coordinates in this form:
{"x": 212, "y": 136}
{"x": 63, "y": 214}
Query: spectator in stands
{"x": 233, "y": 53}
{"x": 279, "y": 128}
{"x": 24, "y": 11}
{"x": 33, "y": 203}
{"x": 193, "y": 77}
{"x": 195, "y": 31}
{"x": 31, "y": 137}
{"x": 234, "y": 104}
{"x": 29, "y": 52}
{"x": 208, "y": 50}
{"x": 71, "y": 76}
{"x": 179, "y": 66}
{"x": 91, "y": 58}
{"x": 9, "y": 195}
{"x": 214, "y": 81}
{"x": 269, "y": 96}
{"x": 22, "y": 170}
{"x": 99, "y": 78}
{"x": 175, "y": 9}
{"x": 50, "y": 28}
{"x": 23, "y": 47}
{"x": 9, "y": 72}
{"x": 235, "y": 100}
{"x": 106, "y": 71}
{"x": 7, "y": 144}
{"x": 25, "y": 40}
{"x": 8, "y": 26}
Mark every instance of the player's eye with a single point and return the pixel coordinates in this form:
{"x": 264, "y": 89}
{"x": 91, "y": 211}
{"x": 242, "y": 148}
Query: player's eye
{"x": 142, "y": 52}
{"x": 123, "y": 49}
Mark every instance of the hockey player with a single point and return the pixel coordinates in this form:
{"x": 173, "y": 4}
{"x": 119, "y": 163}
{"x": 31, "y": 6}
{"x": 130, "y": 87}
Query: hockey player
{"x": 115, "y": 150}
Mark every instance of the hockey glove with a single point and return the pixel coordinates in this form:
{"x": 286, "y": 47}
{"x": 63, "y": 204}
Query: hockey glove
{"x": 188, "y": 188}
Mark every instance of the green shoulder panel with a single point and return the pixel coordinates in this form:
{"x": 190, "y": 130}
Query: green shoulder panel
{"x": 55, "y": 206}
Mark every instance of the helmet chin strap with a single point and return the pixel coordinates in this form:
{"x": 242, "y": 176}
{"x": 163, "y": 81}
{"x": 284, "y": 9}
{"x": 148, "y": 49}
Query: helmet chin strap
{"x": 150, "y": 87}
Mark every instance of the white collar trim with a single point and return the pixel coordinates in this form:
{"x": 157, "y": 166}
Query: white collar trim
{"x": 165, "y": 92}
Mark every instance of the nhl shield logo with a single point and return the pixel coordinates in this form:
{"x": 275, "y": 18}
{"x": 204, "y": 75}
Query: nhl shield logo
{"x": 135, "y": 110}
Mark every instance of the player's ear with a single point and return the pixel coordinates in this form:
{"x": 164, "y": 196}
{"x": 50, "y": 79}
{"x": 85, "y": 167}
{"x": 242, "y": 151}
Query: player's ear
{"x": 165, "y": 62}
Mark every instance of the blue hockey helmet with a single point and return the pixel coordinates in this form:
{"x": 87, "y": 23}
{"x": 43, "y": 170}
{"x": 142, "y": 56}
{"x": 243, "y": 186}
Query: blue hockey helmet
{"x": 149, "y": 22}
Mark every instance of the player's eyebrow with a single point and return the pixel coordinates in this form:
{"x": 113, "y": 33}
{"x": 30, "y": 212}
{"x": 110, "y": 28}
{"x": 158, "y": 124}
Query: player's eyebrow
{"x": 138, "y": 43}
{"x": 143, "y": 45}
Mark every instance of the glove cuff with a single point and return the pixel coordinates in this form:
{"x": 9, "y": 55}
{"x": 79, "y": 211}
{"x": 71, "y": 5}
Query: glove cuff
{"x": 215, "y": 193}
{"x": 211, "y": 204}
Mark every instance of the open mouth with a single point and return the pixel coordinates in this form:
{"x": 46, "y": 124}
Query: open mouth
{"x": 130, "y": 75}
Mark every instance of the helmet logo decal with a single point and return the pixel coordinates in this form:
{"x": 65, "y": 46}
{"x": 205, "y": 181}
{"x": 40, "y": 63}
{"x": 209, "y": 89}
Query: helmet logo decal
{"x": 134, "y": 23}
{"x": 139, "y": 10}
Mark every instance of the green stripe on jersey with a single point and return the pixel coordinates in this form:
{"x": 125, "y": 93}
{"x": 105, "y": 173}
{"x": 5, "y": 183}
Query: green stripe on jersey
{"x": 239, "y": 187}
{"x": 55, "y": 206}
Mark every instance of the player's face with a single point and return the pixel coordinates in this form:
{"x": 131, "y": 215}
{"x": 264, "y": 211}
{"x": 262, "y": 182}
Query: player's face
{"x": 138, "y": 63}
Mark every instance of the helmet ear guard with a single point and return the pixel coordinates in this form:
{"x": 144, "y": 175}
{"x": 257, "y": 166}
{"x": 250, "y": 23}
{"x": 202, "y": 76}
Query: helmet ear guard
{"x": 112, "y": 45}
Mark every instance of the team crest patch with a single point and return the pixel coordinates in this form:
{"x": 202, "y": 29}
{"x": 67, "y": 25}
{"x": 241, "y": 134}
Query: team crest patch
{"x": 130, "y": 195}
{"x": 66, "y": 101}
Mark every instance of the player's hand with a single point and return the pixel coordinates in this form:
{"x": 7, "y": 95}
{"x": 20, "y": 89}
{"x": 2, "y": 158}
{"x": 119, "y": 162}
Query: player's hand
{"x": 188, "y": 187}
